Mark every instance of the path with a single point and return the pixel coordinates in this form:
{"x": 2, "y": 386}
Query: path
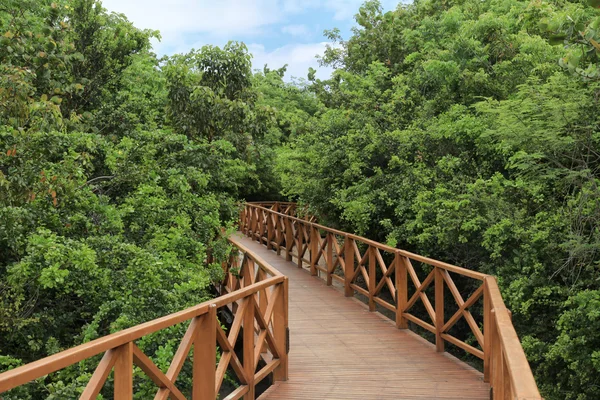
{"x": 340, "y": 350}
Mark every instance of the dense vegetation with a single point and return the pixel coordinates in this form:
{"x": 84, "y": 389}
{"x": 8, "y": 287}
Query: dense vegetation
{"x": 463, "y": 130}
{"x": 117, "y": 173}
{"x": 469, "y": 131}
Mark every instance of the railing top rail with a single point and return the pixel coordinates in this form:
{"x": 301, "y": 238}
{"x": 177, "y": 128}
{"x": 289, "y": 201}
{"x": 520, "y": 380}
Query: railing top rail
{"x": 521, "y": 377}
{"x": 259, "y": 260}
{"x": 37, "y": 369}
{"x": 381, "y": 246}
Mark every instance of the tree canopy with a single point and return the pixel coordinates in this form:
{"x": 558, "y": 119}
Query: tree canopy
{"x": 463, "y": 130}
{"x": 468, "y": 131}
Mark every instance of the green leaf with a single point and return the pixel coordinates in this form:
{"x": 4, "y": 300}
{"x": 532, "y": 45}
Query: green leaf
{"x": 557, "y": 39}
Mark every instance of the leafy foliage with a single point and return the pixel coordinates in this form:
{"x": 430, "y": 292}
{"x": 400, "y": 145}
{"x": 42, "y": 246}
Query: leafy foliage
{"x": 113, "y": 183}
{"x": 450, "y": 129}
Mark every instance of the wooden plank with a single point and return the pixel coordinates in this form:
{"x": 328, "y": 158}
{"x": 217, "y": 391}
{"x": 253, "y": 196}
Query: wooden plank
{"x": 248, "y": 340}
{"x": 466, "y": 347}
{"x": 487, "y": 348}
{"x": 385, "y": 304}
{"x": 315, "y": 238}
{"x": 420, "y": 322}
{"x": 339, "y": 350}
{"x": 157, "y": 376}
{"x": 401, "y": 276}
{"x": 461, "y": 303}
{"x": 179, "y": 358}
{"x": 420, "y": 287}
{"x": 266, "y": 370}
{"x": 359, "y": 290}
{"x": 439, "y": 310}
{"x": 238, "y": 393}
{"x": 522, "y": 381}
{"x": 329, "y": 257}
{"x": 96, "y": 382}
{"x": 371, "y": 278}
{"x": 280, "y": 331}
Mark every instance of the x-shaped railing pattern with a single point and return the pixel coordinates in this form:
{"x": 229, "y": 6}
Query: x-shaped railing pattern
{"x": 257, "y": 295}
{"x": 386, "y": 276}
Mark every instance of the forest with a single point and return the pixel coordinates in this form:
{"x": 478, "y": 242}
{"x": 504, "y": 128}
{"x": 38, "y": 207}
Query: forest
{"x": 463, "y": 130}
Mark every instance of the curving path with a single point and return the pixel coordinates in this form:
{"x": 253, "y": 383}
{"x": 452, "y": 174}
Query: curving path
{"x": 340, "y": 350}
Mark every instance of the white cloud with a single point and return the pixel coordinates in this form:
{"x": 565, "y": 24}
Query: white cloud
{"x": 187, "y": 24}
{"x": 342, "y": 9}
{"x": 222, "y": 17}
{"x": 299, "y": 58}
{"x": 295, "y": 30}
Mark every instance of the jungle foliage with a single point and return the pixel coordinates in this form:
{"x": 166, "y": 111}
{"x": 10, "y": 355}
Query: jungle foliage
{"x": 117, "y": 172}
{"x": 464, "y": 130}
{"x": 468, "y": 131}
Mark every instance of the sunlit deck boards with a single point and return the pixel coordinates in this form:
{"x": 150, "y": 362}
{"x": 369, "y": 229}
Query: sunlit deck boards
{"x": 339, "y": 350}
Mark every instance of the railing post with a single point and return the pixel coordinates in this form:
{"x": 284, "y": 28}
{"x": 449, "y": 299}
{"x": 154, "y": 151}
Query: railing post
{"x": 241, "y": 218}
{"x": 300, "y": 242}
{"x": 289, "y": 239}
{"x": 248, "y": 339}
{"x": 247, "y": 271}
{"x": 252, "y": 225}
{"x": 348, "y": 266}
{"x": 497, "y": 361}
{"x": 269, "y": 231}
{"x": 329, "y": 257}
{"x": 263, "y": 301}
{"x": 372, "y": 277}
{"x": 261, "y": 226}
{"x": 487, "y": 331}
{"x": 439, "y": 309}
{"x": 255, "y": 217}
{"x": 401, "y": 291}
{"x": 248, "y": 219}
{"x": 278, "y": 227}
{"x": 205, "y": 356}
{"x": 280, "y": 331}
{"x": 314, "y": 249}
{"x": 124, "y": 372}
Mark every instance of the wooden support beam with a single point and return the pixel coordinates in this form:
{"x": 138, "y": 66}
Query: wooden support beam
{"x": 329, "y": 257}
{"x": 299, "y": 243}
{"x": 372, "y": 277}
{"x": 315, "y": 238}
{"x": 280, "y": 330}
{"x": 123, "y": 389}
{"x": 401, "y": 275}
{"x": 205, "y": 356}
{"x": 348, "y": 266}
{"x": 248, "y": 340}
{"x": 439, "y": 310}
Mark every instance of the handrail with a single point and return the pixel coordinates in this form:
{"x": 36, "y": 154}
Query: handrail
{"x": 338, "y": 256}
{"x": 259, "y": 300}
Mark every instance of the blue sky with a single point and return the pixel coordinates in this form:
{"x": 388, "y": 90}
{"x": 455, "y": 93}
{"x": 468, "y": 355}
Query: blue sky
{"x": 276, "y": 31}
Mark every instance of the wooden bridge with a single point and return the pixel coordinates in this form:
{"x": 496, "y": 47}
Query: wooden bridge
{"x": 323, "y": 314}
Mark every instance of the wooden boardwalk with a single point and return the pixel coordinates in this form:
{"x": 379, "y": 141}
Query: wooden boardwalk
{"x": 340, "y": 350}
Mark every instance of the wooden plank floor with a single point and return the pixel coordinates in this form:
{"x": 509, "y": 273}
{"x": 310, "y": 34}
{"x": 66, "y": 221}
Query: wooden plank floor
{"x": 340, "y": 350}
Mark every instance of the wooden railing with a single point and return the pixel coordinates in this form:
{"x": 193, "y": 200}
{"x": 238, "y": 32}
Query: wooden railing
{"x": 387, "y": 277}
{"x": 255, "y": 292}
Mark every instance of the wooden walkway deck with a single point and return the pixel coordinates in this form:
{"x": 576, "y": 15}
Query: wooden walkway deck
{"x": 340, "y": 350}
